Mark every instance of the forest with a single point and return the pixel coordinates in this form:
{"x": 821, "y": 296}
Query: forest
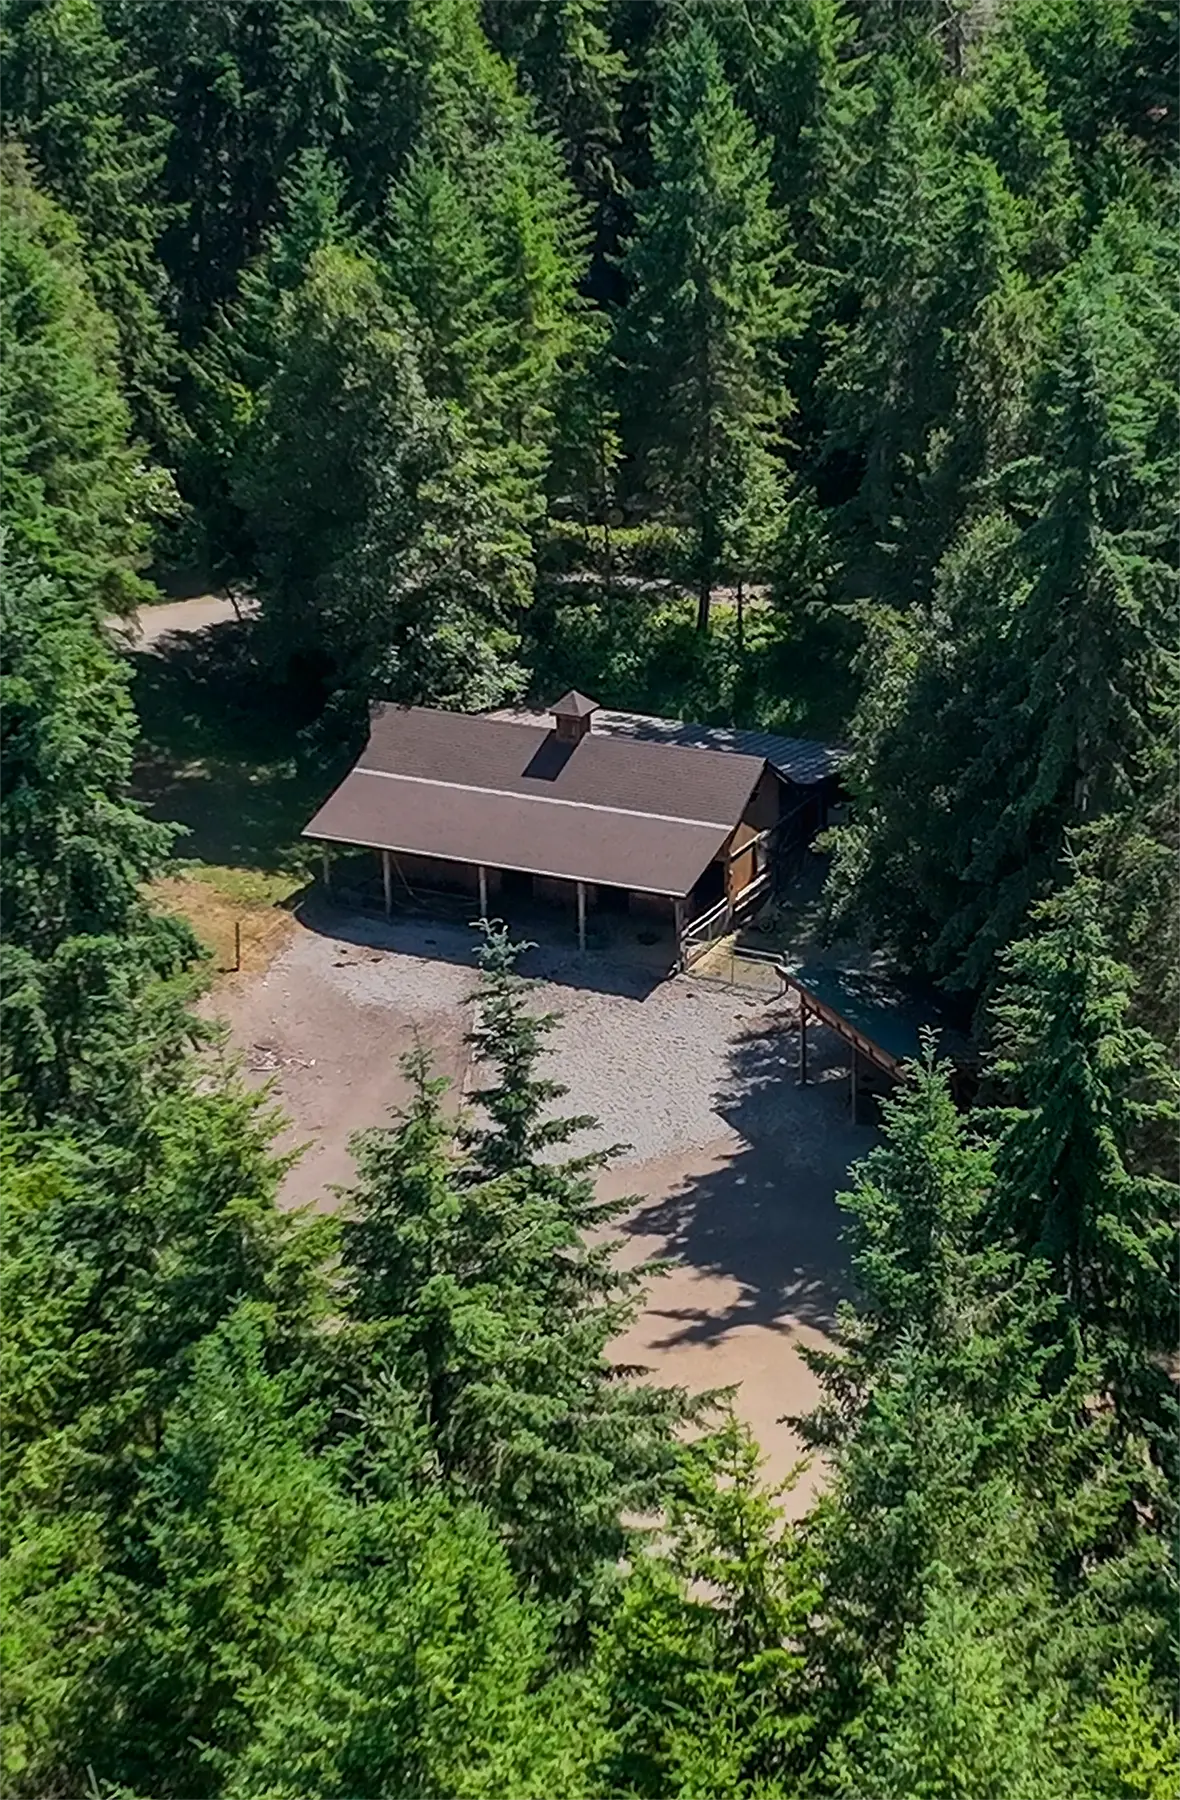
{"x": 807, "y": 364}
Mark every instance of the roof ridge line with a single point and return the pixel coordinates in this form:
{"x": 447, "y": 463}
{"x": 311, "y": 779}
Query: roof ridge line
{"x": 468, "y": 787}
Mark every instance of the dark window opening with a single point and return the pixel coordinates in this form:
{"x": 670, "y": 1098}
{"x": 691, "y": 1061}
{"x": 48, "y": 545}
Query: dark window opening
{"x": 709, "y": 889}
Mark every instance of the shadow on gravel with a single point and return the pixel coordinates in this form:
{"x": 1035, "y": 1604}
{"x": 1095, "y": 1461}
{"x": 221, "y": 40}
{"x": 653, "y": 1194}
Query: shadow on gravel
{"x": 766, "y": 1217}
{"x": 456, "y": 940}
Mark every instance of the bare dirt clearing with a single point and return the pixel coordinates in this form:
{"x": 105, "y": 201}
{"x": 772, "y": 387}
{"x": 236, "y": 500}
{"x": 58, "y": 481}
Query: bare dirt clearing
{"x": 733, "y": 1166}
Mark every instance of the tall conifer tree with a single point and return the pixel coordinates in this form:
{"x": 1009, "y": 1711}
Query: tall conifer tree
{"x": 1074, "y": 1185}
{"x": 709, "y": 305}
{"x": 78, "y": 500}
{"x": 85, "y": 107}
{"x": 1038, "y": 691}
{"x": 388, "y": 552}
{"x": 943, "y": 1423}
{"x": 478, "y": 1292}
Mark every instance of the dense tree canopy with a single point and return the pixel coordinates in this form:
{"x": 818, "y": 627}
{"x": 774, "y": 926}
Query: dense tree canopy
{"x": 804, "y": 364}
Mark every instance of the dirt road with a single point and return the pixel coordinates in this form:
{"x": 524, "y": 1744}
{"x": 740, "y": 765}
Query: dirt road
{"x": 176, "y": 618}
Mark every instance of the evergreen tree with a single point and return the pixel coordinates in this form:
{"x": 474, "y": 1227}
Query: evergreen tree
{"x": 76, "y": 98}
{"x": 1004, "y": 114}
{"x": 242, "y": 90}
{"x": 133, "y": 1246}
{"x": 475, "y": 1290}
{"x": 442, "y": 268}
{"x": 94, "y": 981}
{"x": 392, "y": 554}
{"x": 423, "y": 80}
{"x": 563, "y": 56}
{"x": 1070, "y": 1181}
{"x": 539, "y": 241}
{"x": 484, "y": 179}
{"x": 1147, "y": 83}
{"x": 1080, "y": 47}
{"x": 791, "y": 66}
{"x": 1072, "y": 723}
{"x": 708, "y": 307}
{"x": 232, "y": 367}
{"x": 232, "y": 1513}
{"x": 1037, "y": 693}
{"x": 908, "y": 388}
{"x": 77, "y": 498}
{"x": 699, "y": 1663}
{"x": 945, "y": 1427}
{"x": 958, "y": 1717}
{"x": 1127, "y": 1743}
{"x": 413, "y": 1665}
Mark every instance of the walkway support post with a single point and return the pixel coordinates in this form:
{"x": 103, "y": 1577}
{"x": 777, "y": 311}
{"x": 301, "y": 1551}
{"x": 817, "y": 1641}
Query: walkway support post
{"x": 852, "y": 1083}
{"x": 678, "y": 927}
{"x": 581, "y": 915}
{"x": 387, "y": 881}
{"x": 802, "y": 1042}
{"x": 483, "y": 891}
{"x": 327, "y": 868}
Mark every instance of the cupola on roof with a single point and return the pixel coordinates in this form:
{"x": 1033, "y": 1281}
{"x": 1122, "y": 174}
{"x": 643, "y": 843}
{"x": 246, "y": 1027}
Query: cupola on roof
{"x": 573, "y": 706}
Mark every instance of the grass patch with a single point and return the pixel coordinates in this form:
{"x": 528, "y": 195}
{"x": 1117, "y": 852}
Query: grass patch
{"x": 243, "y": 887}
{"x": 230, "y": 919}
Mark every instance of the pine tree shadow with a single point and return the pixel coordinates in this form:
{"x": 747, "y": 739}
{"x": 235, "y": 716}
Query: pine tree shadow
{"x": 764, "y": 1216}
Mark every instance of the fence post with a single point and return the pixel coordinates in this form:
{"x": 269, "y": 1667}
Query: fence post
{"x": 237, "y": 945}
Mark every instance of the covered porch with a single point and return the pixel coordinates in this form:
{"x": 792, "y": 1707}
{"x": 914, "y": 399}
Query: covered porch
{"x": 883, "y": 1021}
{"x": 590, "y": 916}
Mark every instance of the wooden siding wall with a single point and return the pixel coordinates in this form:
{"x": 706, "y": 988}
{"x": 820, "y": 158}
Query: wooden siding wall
{"x": 761, "y": 813}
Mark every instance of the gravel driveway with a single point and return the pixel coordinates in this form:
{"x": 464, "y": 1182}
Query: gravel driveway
{"x": 733, "y": 1167}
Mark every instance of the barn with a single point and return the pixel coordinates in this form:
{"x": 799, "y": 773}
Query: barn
{"x": 583, "y": 809}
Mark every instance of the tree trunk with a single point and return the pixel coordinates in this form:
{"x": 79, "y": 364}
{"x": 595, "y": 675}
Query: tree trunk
{"x": 705, "y": 494}
{"x": 704, "y": 601}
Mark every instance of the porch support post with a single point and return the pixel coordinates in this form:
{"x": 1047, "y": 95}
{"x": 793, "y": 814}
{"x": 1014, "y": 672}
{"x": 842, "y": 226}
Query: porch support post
{"x": 678, "y": 925}
{"x": 852, "y": 1083}
{"x": 802, "y": 1042}
{"x": 581, "y": 886}
{"x": 326, "y": 864}
{"x": 387, "y": 881}
{"x": 483, "y": 891}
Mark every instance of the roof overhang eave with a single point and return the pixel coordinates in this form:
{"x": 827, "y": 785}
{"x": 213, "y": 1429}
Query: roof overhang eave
{"x": 464, "y": 862}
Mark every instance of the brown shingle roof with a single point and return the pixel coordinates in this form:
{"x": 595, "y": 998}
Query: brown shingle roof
{"x": 573, "y": 706}
{"x": 469, "y": 788}
{"x": 477, "y": 751}
{"x": 801, "y": 760}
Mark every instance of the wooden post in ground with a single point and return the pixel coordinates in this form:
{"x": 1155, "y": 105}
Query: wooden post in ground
{"x": 237, "y": 945}
{"x": 483, "y": 892}
{"x": 387, "y": 881}
{"x": 327, "y": 866}
{"x": 802, "y": 1042}
{"x": 581, "y": 915}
